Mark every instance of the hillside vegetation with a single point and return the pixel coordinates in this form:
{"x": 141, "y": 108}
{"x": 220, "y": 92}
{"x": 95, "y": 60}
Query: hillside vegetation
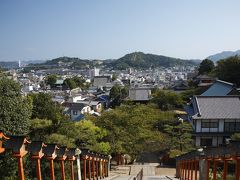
{"x": 137, "y": 60}
{"x": 144, "y": 61}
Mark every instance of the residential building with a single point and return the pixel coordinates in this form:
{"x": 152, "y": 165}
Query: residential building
{"x": 214, "y": 118}
{"x": 101, "y": 81}
{"x": 220, "y": 88}
{"x": 140, "y": 94}
{"x": 77, "y": 110}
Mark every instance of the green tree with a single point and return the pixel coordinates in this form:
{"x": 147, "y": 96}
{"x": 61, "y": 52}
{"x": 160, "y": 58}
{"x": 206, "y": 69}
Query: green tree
{"x": 51, "y": 80}
{"x": 45, "y": 108}
{"x": 114, "y": 77}
{"x": 229, "y": 70}
{"x": 132, "y": 129}
{"x": 80, "y": 82}
{"x": 167, "y": 100}
{"x": 70, "y": 83}
{"x": 15, "y": 113}
{"x": 180, "y": 138}
{"x": 15, "y": 110}
{"x": 206, "y": 66}
{"x": 115, "y": 91}
{"x": 124, "y": 92}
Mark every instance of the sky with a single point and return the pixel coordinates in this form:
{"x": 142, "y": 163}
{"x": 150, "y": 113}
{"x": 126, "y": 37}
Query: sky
{"x": 109, "y": 29}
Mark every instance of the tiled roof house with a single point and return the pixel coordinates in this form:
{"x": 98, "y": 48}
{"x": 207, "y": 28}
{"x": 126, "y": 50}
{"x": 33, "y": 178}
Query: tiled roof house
{"x": 214, "y": 118}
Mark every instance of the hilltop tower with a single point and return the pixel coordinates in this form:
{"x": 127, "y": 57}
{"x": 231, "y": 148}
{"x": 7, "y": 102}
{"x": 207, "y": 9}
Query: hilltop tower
{"x": 19, "y": 63}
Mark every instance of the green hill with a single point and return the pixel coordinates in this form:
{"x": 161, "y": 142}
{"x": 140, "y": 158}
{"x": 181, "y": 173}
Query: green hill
{"x": 144, "y": 61}
{"x": 137, "y": 60}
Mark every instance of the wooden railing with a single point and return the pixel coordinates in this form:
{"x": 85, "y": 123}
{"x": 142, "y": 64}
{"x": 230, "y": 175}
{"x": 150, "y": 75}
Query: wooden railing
{"x": 198, "y": 164}
{"x": 95, "y": 165}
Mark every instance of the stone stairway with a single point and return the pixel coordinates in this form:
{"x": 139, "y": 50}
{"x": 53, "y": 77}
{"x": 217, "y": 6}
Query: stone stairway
{"x": 120, "y": 170}
{"x": 150, "y": 172}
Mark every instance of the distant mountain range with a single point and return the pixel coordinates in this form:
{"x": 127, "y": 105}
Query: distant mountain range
{"x": 223, "y": 55}
{"x": 133, "y": 60}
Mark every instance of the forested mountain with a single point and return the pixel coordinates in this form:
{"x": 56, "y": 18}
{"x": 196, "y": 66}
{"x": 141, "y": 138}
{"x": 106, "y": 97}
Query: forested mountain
{"x": 144, "y": 61}
{"x": 134, "y": 60}
{"x": 223, "y": 55}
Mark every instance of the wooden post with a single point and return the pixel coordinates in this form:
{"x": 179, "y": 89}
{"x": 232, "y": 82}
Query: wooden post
{"x": 36, "y": 150}
{"x": 100, "y": 169}
{"x": 185, "y": 169}
{"x": 52, "y": 169}
{"x": 106, "y": 169}
{"x": 50, "y": 153}
{"x": 188, "y": 172}
{"x": 225, "y": 169}
{"x": 89, "y": 168}
{"x": 215, "y": 163}
{"x": 71, "y": 156}
{"x": 191, "y": 167}
{"x": 61, "y": 156}
{"x": 196, "y": 169}
{"x": 20, "y": 168}
{"x": 72, "y": 170}
{"x": 208, "y": 168}
{"x": 93, "y": 168}
{"x": 84, "y": 169}
{"x": 18, "y": 146}
{"x": 103, "y": 169}
{"x": 237, "y": 169}
{"x": 181, "y": 172}
{"x": 62, "y": 169}
{"x": 38, "y": 169}
{"x": 97, "y": 173}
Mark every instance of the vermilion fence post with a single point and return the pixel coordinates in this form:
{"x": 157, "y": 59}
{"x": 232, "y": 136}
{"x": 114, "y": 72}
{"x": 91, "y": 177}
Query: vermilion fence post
{"x": 17, "y": 144}
{"x": 50, "y": 152}
{"x": 36, "y": 150}
{"x": 2, "y": 137}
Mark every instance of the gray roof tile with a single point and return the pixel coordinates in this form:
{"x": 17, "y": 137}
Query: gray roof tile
{"x": 217, "y": 107}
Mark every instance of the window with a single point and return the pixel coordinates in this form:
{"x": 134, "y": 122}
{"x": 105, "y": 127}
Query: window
{"x": 209, "y": 124}
{"x": 232, "y": 126}
{"x": 237, "y": 126}
{"x": 74, "y": 112}
{"x": 206, "y": 142}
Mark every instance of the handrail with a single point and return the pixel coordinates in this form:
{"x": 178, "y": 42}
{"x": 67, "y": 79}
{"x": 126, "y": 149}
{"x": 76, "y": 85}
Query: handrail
{"x": 139, "y": 175}
{"x": 20, "y": 146}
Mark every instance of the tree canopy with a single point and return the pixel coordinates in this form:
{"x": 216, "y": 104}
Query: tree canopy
{"x": 133, "y": 128}
{"x": 51, "y": 80}
{"x": 15, "y": 110}
{"x": 206, "y": 66}
{"x": 180, "y": 138}
{"x": 167, "y": 100}
{"x": 15, "y": 113}
{"x": 229, "y": 70}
